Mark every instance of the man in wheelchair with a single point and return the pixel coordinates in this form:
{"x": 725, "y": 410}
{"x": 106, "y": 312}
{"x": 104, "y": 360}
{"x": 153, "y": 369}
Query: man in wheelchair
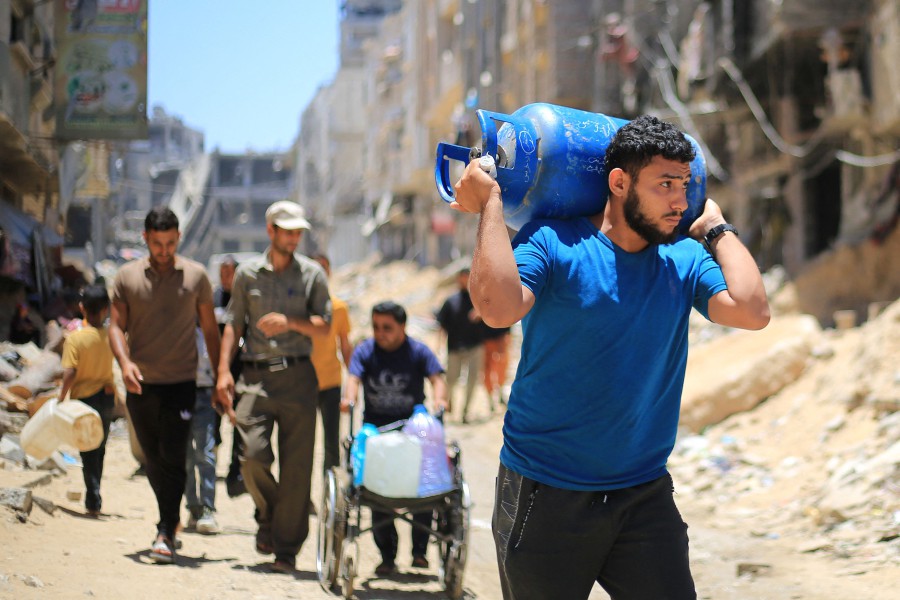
{"x": 392, "y": 368}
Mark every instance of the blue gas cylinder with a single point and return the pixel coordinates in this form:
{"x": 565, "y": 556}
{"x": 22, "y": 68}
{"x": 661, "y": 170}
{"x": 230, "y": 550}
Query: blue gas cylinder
{"x": 549, "y": 162}
{"x": 358, "y": 451}
{"x": 435, "y": 477}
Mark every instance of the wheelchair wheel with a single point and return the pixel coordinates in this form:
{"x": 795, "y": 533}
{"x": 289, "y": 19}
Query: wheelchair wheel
{"x": 454, "y": 552}
{"x": 331, "y": 530}
{"x": 349, "y": 562}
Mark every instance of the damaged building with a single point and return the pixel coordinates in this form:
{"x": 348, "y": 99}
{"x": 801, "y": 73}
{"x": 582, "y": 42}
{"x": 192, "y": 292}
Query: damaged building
{"x": 795, "y": 104}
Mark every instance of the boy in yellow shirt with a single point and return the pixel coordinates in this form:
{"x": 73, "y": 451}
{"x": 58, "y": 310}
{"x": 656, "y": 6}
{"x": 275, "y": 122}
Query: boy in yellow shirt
{"x": 87, "y": 363}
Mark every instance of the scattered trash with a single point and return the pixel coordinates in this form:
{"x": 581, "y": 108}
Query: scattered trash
{"x": 754, "y": 569}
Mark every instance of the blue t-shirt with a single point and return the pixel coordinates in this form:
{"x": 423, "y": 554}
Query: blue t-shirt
{"x": 393, "y": 382}
{"x": 597, "y": 394}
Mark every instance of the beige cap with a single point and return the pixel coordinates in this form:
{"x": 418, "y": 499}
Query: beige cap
{"x": 287, "y": 215}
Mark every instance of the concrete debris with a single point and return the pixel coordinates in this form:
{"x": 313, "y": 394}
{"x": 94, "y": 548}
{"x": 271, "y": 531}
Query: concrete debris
{"x": 45, "y": 505}
{"x": 12, "y": 423}
{"x": 815, "y": 545}
{"x": 753, "y": 569}
{"x": 745, "y": 377}
{"x": 815, "y": 460}
{"x": 18, "y": 499}
{"x": 37, "y": 480}
{"x": 11, "y": 450}
{"x": 54, "y": 462}
{"x": 8, "y": 368}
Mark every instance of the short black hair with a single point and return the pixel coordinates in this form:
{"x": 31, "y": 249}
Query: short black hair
{"x": 636, "y": 143}
{"x": 390, "y": 308}
{"x": 95, "y": 299}
{"x": 160, "y": 218}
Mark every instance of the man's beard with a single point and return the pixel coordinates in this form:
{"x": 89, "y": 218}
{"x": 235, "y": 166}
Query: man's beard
{"x": 164, "y": 262}
{"x": 282, "y": 249}
{"x": 642, "y": 225}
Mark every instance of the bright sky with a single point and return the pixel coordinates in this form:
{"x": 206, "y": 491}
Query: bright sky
{"x": 240, "y": 71}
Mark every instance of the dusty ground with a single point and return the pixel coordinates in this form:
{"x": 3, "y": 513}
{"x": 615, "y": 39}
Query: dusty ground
{"x": 68, "y": 555}
{"x": 755, "y": 532}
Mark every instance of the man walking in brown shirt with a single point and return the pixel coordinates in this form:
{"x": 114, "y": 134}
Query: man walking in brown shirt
{"x": 157, "y": 302}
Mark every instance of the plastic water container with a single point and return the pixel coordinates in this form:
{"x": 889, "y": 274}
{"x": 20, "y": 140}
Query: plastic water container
{"x": 73, "y": 422}
{"x": 393, "y": 464}
{"x": 79, "y": 425}
{"x": 435, "y": 477}
{"x": 358, "y": 451}
{"x": 39, "y": 437}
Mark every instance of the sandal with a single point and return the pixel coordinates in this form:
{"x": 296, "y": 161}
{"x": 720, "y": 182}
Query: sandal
{"x": 264, "y": 542}
{"x": 161, "y": 552}
{"x": 282, "y": 565}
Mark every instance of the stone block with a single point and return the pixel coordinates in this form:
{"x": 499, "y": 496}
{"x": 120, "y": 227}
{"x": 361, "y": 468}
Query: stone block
{"x": 18, "y": 499}
{"x": 734, "y": 373}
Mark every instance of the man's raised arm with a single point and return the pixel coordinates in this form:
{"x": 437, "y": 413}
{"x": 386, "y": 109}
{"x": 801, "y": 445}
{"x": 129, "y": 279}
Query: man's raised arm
{"x": 494, "y": 284}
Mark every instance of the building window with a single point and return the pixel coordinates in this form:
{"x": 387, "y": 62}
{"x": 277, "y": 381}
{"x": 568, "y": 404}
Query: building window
{"x": 233, "y": 212}
{"x": 259, "y": 211}
{"x": 231, "y": 172}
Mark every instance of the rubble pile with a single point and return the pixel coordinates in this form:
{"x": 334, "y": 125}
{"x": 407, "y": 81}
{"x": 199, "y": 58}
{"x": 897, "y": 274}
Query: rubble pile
{"x": 418, "y": 289}
{"x": 27, "y": 372}
{"x": 817, "y": 462}
{"x": 29, "y": 376}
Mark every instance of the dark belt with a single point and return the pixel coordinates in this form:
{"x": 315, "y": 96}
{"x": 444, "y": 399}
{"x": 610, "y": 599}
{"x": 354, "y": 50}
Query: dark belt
{"x": 278, "y": 363}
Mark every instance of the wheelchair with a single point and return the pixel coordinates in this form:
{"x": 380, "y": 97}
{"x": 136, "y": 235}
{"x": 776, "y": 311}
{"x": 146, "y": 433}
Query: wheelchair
{"x": 340, "y": 523}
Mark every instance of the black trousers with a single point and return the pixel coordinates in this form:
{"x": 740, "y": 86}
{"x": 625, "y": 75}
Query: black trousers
{"x": 385, "y": 534}
{"x": 555, "y": 543}
{"x": 330, "y": 411}
{"x": 161, "y": 416}
{"x": 92, "y": 460}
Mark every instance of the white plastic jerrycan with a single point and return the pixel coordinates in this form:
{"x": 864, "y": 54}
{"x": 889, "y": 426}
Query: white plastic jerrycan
{"x": 393, "y": 463}
{"x": 72, "y": 422}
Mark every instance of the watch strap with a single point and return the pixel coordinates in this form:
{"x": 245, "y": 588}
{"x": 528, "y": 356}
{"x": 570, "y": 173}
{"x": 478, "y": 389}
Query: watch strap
{"x": 717, "y": 231}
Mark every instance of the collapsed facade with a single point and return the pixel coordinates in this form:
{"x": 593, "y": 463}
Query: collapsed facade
{"x": 796, "y": 105}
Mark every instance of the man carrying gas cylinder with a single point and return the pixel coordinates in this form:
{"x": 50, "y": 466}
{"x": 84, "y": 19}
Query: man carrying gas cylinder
{"x": 582, "y": 493}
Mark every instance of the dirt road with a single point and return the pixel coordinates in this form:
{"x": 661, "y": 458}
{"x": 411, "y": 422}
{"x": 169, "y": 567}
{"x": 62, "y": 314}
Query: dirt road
{"x": 69, "y": 555}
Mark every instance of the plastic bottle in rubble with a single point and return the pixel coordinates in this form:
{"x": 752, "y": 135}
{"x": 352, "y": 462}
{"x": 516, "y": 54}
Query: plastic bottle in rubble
{"x": 358, "y": 451}
{"x": 435, "y": 477}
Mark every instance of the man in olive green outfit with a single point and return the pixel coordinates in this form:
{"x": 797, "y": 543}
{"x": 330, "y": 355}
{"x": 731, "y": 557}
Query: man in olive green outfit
{"x": 283, "y": 298}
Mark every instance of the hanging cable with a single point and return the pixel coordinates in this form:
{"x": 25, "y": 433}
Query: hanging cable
{"x": 734, "y": 73}
{"x": 867, "y": 161}
{"x": 667, "y": 86}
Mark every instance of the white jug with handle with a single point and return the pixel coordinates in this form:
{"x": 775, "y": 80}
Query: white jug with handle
{"x": 72, "y": 422}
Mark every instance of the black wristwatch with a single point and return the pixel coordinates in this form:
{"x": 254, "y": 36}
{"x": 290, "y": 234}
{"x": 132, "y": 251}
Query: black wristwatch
{"x": 716, "y": 232}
